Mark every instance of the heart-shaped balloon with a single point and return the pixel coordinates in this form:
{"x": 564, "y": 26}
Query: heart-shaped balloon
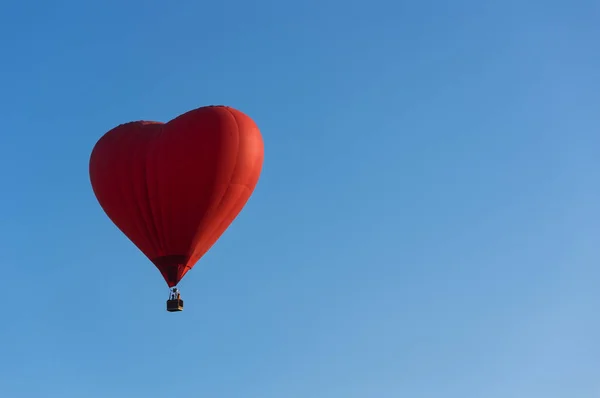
{"x": 174, "y": 188}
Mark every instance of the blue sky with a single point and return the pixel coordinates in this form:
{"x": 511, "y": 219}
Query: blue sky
{"x": 426, "y": 224}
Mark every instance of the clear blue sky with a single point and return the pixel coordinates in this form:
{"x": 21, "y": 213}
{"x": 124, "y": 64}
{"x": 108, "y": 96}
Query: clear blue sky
{"x": 426, "y": 224}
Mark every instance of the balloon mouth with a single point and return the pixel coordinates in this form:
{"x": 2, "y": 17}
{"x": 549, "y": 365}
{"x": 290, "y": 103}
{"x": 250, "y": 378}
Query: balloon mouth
{"x": 172, "y": 268}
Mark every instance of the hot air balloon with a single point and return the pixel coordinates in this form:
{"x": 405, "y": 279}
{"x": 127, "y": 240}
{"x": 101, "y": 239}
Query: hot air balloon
{"x": 173, "y": 188}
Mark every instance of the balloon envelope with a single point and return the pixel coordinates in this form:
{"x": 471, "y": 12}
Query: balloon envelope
{"x": 173, "y": 188}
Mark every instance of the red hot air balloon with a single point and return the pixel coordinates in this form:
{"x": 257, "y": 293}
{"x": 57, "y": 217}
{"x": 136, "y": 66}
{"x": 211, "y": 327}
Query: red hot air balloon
{"x": 173, "y": 188}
